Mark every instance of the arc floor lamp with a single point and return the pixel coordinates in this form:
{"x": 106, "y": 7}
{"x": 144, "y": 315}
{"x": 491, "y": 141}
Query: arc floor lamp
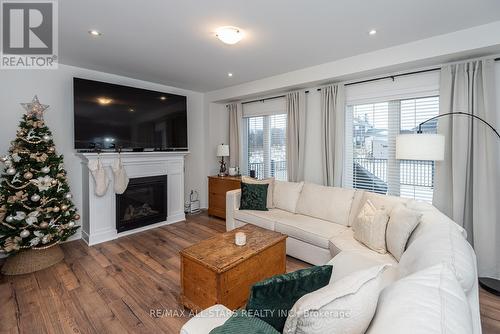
{"x": 427, "y": 146}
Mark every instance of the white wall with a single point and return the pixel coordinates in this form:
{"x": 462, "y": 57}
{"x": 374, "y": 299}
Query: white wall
{"x": 55, "y": 87}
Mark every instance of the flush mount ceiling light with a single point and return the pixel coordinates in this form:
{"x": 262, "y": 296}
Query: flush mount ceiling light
{"x": 229, "y": 35}
{"x": 372, "y": 32}
{"x": 95, "y": 33}
{"x": 230, "y": 74}
{"x": 104, "y": 100}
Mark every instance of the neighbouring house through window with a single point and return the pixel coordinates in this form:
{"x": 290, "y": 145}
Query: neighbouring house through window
{"x": 265, "y": 146}
{"x": 371, "y": 131}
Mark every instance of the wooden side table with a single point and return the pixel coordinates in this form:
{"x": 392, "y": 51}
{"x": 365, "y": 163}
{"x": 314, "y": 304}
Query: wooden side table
{"x": 218, "y": 186}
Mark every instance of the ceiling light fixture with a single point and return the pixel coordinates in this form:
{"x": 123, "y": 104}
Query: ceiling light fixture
{"x": 372, "y": 32}
{"x": 229, "y": 35}
{"x": 163, "y": 98}
{"x": 104, "y": 100}
{"x": 230, "y": 74}
{"x": 95, "y": 33}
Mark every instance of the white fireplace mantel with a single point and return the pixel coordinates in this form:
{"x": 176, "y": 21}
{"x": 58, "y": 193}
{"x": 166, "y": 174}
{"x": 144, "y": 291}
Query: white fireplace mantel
{"x": 99, "y": 213}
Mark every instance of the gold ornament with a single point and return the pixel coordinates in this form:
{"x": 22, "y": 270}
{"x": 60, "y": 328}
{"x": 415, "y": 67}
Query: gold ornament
{"x": 76, "y": 217}
{"x": 11, "y": 244}
{"x": 56, "y": 209}
{"x": 28, "y": 175}
{"x": 51, "y": 149}
{"x": 44, "y": 225}
{"x": 18, "y": 196}
{"x": 64, "y": 207}
{"x": 53, "y": 182}
{"x": 35, "y": 108}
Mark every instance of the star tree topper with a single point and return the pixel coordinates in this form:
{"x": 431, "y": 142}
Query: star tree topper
{"x": 35, "y": 108}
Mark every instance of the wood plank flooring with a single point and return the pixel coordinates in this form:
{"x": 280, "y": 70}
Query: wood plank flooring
{"x": 114, "y": 287}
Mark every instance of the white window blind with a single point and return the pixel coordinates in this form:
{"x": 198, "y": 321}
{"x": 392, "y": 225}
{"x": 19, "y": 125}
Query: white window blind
{"x": 265, "y": 146}
{"x": 371, "y": 131}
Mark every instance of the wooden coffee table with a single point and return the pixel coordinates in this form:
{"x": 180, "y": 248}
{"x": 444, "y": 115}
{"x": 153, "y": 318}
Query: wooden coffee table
{"x": 216, "y": 271}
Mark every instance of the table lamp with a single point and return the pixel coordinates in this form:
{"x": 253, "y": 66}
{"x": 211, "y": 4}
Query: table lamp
{"x": 222, "y": 151}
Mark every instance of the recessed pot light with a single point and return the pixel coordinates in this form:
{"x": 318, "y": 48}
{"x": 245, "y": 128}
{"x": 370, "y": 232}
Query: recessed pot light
{"x": 94, "y": 32}
{"x": 229, "y": 35}
{"x": 372, "y": 32}
{"x": 230, "y": 74}
{"x": 163, "y": 98}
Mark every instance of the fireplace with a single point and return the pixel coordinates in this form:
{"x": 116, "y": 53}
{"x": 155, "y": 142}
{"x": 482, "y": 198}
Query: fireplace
{"x": 143, "y": 203}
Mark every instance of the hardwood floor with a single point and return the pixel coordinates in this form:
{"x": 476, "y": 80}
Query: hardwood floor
{"x": 114, "y": 287}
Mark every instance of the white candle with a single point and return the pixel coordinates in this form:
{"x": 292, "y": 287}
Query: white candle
{"x": 240, "y": 238}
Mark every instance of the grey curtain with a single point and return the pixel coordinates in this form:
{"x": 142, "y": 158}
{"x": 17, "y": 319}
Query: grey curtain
{"x": 467, "y": 181}
{"x": 235, "y": 130}
{"x": 296, "y": 134}
{"x": 332, "y": 134}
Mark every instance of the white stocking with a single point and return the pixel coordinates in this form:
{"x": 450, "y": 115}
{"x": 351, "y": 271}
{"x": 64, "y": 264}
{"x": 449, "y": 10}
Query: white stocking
{"x": 101, "y": 180}
{"x": 120, "y": 175}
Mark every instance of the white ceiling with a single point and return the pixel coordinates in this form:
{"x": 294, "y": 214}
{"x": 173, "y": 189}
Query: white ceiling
{"x": 172, "y": 42}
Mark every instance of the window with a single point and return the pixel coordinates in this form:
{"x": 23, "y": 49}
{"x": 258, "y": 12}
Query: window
{"x": 371, "y": 131}
{"x": 266, "y": 146}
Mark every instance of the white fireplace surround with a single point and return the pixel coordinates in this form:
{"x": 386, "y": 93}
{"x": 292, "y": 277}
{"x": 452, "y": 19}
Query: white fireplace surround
{"x": 99, "y": 213}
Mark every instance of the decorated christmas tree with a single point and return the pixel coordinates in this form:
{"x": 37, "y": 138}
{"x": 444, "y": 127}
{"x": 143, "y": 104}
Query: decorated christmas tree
{"x": 36, "y": 208}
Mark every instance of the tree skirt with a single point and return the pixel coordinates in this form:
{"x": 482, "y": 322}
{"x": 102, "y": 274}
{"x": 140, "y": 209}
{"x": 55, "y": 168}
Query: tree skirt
{"x": 32, "y": 260}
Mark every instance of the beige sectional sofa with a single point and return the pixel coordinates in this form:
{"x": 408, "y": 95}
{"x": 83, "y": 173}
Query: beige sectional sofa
{"x": 318, "y": 221}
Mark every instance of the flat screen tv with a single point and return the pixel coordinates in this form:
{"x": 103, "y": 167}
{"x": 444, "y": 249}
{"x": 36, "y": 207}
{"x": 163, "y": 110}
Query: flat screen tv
{"x": 109, "y": 116}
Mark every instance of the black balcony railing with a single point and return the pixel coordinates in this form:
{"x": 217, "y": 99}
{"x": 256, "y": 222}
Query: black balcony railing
{"x": 277, "y": 169}
{"x": 372, "y": 174}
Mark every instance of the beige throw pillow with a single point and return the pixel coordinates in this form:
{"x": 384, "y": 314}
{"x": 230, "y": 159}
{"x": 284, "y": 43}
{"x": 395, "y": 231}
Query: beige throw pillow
{"x": 399, "y": 228}
{"x": 346, "y": 306}
{"x": 369, "y": 227}
{"x": 270, "y": 187}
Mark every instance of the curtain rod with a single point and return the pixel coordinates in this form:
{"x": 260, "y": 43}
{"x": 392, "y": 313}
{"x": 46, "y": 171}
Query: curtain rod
{"x": 359, "y": 82}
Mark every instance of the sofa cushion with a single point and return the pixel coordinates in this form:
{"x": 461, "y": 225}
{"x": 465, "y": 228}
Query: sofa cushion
{"x": 346, "y": 263}
{"x": 286, "y": 195}
{"x": 445, "y": 245}
{"x": 327, "y": 203}
{"x": 399, "y": 228}
{"x": 370, "y": 226}
{"x": 264, "y": 219}
{"x": 346, "y": 306}
{"x": 270, "y": 188}
{"x": 345, "y": 242}
{"x": 308, "y": 229}
{"x": 380, "y": 201}
{"x": 430, "y": 301}
{"x": 272, "y": 298}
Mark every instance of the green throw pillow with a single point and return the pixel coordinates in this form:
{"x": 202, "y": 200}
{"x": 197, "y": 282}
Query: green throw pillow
{"x": 253, "y": 196}
{"x": 242, "y": 322}
{"x": 271, "y": 299}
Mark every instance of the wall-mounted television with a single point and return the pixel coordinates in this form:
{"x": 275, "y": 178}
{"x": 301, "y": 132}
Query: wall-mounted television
{"x": 109, "y": 116}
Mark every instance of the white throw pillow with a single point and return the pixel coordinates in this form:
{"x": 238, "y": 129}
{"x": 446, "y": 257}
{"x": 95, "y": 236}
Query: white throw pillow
{"x": 399, "y": 228}
{"x": 270, "y": 190}
{"x": 430, "y": 301}
{"x": 286, "y": 195}
{"x": 369, "y": 227}
{"x": 346, "y": 306}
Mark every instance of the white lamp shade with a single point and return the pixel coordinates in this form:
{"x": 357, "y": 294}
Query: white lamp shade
{"x": 223, "y": 150}
{"x": 420, "y": 147}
